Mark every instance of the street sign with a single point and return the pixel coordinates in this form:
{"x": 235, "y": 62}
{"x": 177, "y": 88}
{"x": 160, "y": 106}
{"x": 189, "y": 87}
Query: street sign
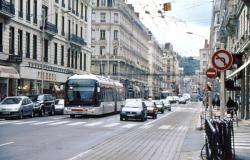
{"x": 222, "y": 60}
{"x": 211, "y": 73}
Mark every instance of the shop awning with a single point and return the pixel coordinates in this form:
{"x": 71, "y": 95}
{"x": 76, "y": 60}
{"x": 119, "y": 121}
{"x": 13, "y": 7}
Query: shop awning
{"x": 9, "y": 72}
{"x": 239, "y": 69}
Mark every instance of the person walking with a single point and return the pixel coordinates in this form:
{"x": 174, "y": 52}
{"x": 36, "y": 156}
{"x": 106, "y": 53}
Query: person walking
{"x": 230, "y": 106}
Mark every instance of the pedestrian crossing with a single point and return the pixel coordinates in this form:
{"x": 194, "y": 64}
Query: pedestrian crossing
{"x": 242, "y": 141}
{"x": 104, "y": 124}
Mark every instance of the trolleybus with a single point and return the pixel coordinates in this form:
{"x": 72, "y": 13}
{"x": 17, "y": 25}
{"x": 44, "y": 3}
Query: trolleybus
{"x": 92, "y": 95}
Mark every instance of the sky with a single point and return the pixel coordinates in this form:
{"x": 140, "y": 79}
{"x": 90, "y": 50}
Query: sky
{"x": 186, "y": 16}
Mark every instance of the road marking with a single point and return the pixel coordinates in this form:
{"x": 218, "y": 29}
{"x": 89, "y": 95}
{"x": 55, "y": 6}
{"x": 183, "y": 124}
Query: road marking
{"x": 111, "y": 125}
{"x": 128, "y": 125}
{"x": 158, "y": 119}
{"x": 58, "y": 123}
{"x": 79, "y": 155}
{"x": 94, "y": 124}
{"x": 25, "y": 122}
{"x": 242, "y": 144}
{"x": 146, "y": 127}
{"x": 164, "y": 127}
{"x": 4, "y": 144}
{"x": 46, "y": 122}
{"x": 76, "y": 123}
{"x": 241, "y": 147}
{"x": 8, "y": 122}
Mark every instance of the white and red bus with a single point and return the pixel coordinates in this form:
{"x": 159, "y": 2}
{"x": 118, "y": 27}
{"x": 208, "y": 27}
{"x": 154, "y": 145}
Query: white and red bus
{"x": 92, "y": 95}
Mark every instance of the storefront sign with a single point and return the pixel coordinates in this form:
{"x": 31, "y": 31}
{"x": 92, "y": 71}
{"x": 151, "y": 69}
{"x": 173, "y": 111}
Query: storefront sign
{"x": 49, "y": 68}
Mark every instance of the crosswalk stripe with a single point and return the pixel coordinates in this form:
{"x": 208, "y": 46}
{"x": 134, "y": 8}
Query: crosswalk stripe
{"x": 146, "y": 126}
{"x": 164, "y": 127}
{"x": 111, "y": 125}
{"x": 26, "y": 122}
{"x": 128, "y": 125}
{"x": 76, "y": 123}
{"x": 93, "y": 124}
{"x": 242, "y": 147}
{"x": 58, "y": 123}
{"x": 46, "y": 122}
{"x": 8, "y": 122}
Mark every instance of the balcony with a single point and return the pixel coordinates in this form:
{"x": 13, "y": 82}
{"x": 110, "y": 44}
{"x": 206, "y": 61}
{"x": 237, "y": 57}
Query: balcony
{"x": 50, "y": 28}
{"x": 7, "y": 9}
{"x": 15, "y": 58}
{"x": 77, "y": 40}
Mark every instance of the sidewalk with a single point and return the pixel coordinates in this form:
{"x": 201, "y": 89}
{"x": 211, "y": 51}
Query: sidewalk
{"x": 241, "y": 137}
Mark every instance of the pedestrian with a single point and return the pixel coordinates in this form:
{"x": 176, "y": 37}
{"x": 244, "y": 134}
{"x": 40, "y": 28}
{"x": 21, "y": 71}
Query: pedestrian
{"x": 230, "y": 106}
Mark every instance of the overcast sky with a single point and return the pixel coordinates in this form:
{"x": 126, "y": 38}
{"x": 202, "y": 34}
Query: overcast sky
{"x": 186, "y": 16}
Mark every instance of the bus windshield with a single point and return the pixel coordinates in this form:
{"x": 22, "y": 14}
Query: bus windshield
{"x": 165, "y": 94}
{"x": 81, "y": 92}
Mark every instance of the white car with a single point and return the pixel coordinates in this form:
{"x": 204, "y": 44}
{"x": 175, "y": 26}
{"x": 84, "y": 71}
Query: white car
{"x": 182, "y": 100}
{"x": 59, "y": 106}
{"x": 166, "y": 104}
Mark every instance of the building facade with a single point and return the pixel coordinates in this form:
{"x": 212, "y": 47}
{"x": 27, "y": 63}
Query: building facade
{"x": 155, "y": 59}
{"x": 171, "y": 69}
{"x": 46, "y": 42}
{"x": 204, "y": 57}
{"x": 234, "y": 31}
{"x": 120, "y": 45}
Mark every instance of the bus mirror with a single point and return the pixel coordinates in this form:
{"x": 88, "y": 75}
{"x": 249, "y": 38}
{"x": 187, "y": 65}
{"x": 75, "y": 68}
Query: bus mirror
{"x": 98, "y": 89}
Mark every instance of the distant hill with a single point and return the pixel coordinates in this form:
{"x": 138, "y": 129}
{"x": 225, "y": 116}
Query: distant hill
{"x": 189, "y": 64}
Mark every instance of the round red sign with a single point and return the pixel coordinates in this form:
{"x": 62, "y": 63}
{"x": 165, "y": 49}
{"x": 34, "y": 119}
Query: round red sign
{"x": 222, "y": 60}
{"x": 211, "y": 73}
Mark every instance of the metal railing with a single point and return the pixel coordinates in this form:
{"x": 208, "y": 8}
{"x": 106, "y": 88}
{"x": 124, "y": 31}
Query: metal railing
{"x": 7, "y": 7}
{"x": 74, "y": 38}
{"x": 51, "y": 27}
{"x": 219, "y": 139}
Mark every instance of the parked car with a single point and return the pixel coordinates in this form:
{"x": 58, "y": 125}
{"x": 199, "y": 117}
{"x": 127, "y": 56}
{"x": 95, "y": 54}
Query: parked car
{"x": 152, "y": 109}
{"x": 16, "y": 107}
{"x": 160, "y": 106}
{"x": 166, "y": 104}
{"x": 176, "y": 99}
{"x": 59, "y": 106}
{"x": 182, "y": 100}
{"x": 135, "y": 109}
{"x": 43, "y": 103}
{"x": 170, "y": 99}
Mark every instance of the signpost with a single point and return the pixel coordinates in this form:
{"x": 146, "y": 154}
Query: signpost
{"x": 211, "y": 73}
{"x": 222, "y": 60}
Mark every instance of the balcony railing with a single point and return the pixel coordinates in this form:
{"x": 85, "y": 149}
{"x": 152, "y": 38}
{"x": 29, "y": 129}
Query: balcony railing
{"x": 51, "y": 28}
{"x": 15, "y": 58}
{"x": 78, "y": 40}
{"x": 7, "y": 9}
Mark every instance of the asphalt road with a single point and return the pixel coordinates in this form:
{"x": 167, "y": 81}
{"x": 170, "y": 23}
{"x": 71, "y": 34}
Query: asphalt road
{"x": 60, "y": 137}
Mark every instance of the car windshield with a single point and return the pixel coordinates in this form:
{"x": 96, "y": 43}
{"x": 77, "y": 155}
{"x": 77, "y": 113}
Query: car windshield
{"x": 35, "y": 98}
{"x": 133, "y": 104}
{"x": 11, "y": 101}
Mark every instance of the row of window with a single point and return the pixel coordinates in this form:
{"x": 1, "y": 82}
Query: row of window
{"x": 103, "y": 69}
{"x": 72, "y": 54}
{"x": 103, "y": 34}
{"x": 103, "y": 17}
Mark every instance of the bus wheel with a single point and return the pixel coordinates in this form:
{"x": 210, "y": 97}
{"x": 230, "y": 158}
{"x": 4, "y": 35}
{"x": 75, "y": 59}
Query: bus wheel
{"x": 72, "y": 116}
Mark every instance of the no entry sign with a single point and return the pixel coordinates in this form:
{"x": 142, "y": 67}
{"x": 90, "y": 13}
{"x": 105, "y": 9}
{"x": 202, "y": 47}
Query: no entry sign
{"x": 222, "y": 60}
{"x": 211, "y": 73}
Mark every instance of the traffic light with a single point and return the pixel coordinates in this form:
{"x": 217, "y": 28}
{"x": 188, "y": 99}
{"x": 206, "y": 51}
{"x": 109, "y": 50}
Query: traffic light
{"x": 167, "y": 6}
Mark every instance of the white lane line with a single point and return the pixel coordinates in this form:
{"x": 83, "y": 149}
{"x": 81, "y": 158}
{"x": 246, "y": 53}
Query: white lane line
{"x": 93, "y": 124}
{"x": 76, "y": 123}
{"x": 80, "y": 155}
{"x": 164, "y": 127}
{"x": 129, "y": 125}
{"x": 46, "y": 122}
{"x": 111, "y": 125}
{"x": 158, "y": 119}
{"x": 4, "y": 144}
{"x": 146, "y": 127}
{"x": 9, "y": 122}
{"x": 241, "y": 144}
{"x": 26, "y": 122}
{"x": 58, "y": 123}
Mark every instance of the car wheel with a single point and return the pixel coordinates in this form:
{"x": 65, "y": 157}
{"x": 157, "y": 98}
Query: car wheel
{"x": 32, "y": 114}
{"x": 42, "y": 112}
{"x": 20, "y": 116}
{"x": 52, "y": 112}
{"x": 72, "y": 116}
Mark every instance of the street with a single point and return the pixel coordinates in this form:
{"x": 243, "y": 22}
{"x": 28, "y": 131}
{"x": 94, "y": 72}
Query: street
{"x": 95, "y": 138}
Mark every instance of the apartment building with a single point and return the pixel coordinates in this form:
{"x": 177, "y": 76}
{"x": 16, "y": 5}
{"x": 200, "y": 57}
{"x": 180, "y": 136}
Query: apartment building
{"x": 120, "y": 45}
{"x": 43, "y": 43}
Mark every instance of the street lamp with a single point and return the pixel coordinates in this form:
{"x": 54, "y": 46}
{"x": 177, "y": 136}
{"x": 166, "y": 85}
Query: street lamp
{"x": 44, "y": 18}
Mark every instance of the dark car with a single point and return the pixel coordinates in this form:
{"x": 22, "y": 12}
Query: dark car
{"x": 43, "y": 103}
